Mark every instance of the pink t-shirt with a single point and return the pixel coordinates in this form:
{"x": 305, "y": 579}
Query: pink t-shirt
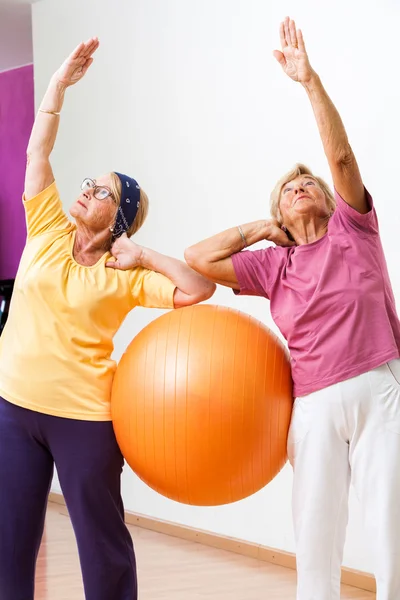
{"x": 332, "y": 299}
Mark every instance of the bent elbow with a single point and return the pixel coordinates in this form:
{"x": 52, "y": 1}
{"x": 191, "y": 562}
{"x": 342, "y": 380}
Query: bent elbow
{"x": 204, "y": 293}
{"x": 196, "y": 261}
{"x": 209, "y": 291}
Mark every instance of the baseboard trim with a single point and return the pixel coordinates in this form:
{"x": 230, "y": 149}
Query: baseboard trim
{"x": 358, "y": 579}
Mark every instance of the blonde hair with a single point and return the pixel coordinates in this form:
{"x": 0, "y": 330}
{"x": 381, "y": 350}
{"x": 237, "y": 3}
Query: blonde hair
{"x": 298, "y": 169}
{"x": 143, "y": 209}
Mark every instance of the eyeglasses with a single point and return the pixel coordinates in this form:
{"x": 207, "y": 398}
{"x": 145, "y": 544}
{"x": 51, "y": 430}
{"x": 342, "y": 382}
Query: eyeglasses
{"x": 101, "y": 192}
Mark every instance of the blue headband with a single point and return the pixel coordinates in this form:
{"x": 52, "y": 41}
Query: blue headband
{"x": 129, "y": 205}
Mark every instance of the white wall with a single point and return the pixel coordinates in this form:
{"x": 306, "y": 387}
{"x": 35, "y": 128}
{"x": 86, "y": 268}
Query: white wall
{"x": 185, "y": 95}
{"x": 15, "y": 35}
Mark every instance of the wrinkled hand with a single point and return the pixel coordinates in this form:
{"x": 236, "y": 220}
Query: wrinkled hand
{"x": 293, "y": 58}
{"x": 76, "y": 65}
{"x": 277, "y": 235}
{"x": 127, "y": 254}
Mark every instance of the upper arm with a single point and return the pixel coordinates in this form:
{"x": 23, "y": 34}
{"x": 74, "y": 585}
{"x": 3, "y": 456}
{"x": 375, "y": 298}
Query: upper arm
{"x": 223, "y": 273}
{"x": 38, "y": 175}
{"x": 44, "y": 212}
{"x": 247, "y": 272}
{"x": 219, "y": 271}
{"x": 348, "y": 182}
{"x": 256, "y": 269}
{"x": 151, "y": 289}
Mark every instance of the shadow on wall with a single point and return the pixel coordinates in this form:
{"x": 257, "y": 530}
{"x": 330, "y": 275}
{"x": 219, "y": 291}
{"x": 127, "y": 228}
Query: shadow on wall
{"x": 16, "y": 120}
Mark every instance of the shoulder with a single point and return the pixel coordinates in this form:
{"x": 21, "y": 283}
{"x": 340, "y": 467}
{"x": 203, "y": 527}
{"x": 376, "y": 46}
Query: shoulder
{"x": 348, "y": 218}
{"x": 50, "y": 192}
{"x": 269, "y": 255}
{"x": 44, "y": 212}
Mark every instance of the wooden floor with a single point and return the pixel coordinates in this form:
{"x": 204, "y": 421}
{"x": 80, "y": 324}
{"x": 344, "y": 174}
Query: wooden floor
{"x": 169, "y": 569}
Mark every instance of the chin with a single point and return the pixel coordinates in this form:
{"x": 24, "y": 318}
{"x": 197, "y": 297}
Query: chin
{"x": 76, "y": 210}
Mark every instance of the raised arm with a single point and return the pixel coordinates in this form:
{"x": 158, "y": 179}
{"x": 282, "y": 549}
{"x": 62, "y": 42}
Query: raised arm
{"x": 212, "y": 257}
{"x": 342, "y": 163}
{"x": 39, "y": 174}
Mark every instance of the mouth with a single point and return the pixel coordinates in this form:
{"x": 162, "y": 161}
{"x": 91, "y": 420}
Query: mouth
{"x": 81, "y": 203}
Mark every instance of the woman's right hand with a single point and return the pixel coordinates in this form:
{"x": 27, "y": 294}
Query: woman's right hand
{"x": 293, "y": 58}
{"x": 75, "y": 66}
{"x": 277, "y": 235}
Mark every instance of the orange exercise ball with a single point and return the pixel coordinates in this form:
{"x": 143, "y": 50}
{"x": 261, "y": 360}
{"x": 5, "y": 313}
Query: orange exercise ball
{"x": 201, "y": 405}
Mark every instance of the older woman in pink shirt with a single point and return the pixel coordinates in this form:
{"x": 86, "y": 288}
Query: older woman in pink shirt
{"x": 331, "y": 297}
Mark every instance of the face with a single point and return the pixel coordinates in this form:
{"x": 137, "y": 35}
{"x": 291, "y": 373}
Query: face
{"x": 302, "y": 196}
{"x": 95, "y": 207}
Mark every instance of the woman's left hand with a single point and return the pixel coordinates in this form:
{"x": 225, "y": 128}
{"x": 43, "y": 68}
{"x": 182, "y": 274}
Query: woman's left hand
{"x": 127, "y": 254}
{"x": 76, "y": 65}
{"x": 293, "y": 58}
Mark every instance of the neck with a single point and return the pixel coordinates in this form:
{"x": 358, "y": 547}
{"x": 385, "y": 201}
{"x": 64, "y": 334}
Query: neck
{"x": 91, "y": 243}
{"x": 305, "y": 231}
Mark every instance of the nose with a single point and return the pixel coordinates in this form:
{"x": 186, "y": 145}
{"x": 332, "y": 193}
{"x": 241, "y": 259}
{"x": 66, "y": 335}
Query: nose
{"x": 299, "y": 189}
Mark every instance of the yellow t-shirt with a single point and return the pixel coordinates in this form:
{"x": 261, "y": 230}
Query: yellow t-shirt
{"x": 55, "y": 350}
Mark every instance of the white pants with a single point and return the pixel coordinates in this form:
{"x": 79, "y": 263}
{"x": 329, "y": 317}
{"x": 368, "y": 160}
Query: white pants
{"x": 349, "y": 431}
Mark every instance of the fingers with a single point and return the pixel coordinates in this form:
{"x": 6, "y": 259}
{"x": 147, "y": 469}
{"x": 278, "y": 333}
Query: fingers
{"x": 285, "y": 241}
{"x": 85, "y": 49}
{"x": 300, "y": 41}
{"x": 289, "y": 35}
{"x": 91, "y": 47}
{"x": 77, "y": 52}
{"x": 292, "y": 33}
{"x": 85, "y": 67}
{"x": 282, "y": 35}
{"x": 287, "y": 31}
{"x": 112, "y": 264}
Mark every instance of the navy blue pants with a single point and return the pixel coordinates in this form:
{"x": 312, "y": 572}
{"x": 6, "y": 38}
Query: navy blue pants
{"x": 89, "y": 465}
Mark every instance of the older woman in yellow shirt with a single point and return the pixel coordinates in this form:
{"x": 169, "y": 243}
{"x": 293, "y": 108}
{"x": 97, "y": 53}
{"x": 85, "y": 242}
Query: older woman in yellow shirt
{"x": 75, "y": 285}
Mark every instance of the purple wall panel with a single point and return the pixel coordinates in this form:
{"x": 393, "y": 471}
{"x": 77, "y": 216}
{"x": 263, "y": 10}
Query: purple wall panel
{"x": 16, "y": 120}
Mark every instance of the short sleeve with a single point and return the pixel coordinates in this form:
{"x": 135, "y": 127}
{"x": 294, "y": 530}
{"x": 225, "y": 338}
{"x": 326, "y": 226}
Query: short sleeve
{"x": 44, "y": 212}
{"x": 349, "y": 217}
{"x": 254, "y": 271}
{"x": 151, "y": 289}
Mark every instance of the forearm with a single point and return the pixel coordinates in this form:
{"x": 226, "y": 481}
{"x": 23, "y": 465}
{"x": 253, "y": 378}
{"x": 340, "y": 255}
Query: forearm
{"x": 45, "y": 127}
{"x": 229, "y": 242}
{"x": 333, "y": 134}
{"x": 185, "y": 279}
